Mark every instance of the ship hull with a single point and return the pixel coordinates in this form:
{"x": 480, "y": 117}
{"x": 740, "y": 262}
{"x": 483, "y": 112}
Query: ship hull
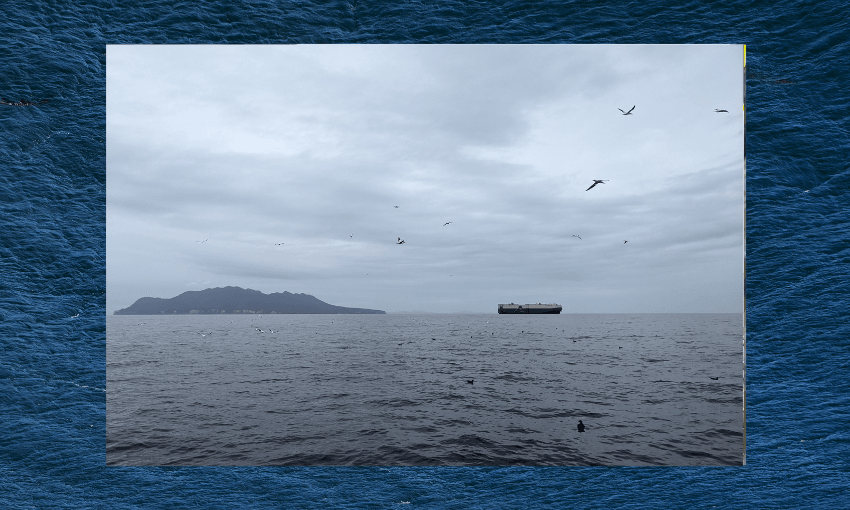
{"x": 530, "y": 309}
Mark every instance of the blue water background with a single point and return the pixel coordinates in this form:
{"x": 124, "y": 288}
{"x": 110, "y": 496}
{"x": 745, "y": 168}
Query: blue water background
{"x": 52, "y": 254}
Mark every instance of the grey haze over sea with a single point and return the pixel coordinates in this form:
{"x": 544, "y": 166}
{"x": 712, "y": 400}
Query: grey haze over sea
{"x": 393, "y": 390}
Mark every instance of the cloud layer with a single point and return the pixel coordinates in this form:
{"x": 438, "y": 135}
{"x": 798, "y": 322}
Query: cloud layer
{"x": 313, "y": 146}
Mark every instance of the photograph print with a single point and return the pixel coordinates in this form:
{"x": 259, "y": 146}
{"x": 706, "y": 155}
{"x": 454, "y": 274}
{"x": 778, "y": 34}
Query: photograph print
{"x": 425, "y": 255}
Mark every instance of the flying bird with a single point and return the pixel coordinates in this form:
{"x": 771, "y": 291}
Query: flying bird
{"x": 720, "y": 111}
{"x": 352, "y": 235}
{"x": 202, "y": 242}
{"x": 400, "y": 241}
{"x": 579, "y": 237}
{"x": 628, "y": 112}
{"x": 624, "y": 242}
{"x": 446, "y": 223}
{"x": 278, "y": 244}
{"x": 595, "y": 182}
{"x": 395, "y": 206}
{"x": 714, "y": 378}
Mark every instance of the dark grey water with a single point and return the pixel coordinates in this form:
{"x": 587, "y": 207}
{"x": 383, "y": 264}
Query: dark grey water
{"x": 392, "y": 390}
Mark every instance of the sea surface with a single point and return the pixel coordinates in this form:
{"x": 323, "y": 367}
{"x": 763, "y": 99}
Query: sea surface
{"x": 425, "y": 390}
{"x": 53, "y": 347}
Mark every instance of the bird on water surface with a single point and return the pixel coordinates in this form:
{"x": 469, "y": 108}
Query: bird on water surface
{"x": 580, "y": 426}
{"x": 595, "y": 182}
{"x": 470, "y": 381}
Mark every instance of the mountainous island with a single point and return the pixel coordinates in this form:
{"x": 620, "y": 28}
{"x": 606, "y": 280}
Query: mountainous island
{"x": 231, "y": 300}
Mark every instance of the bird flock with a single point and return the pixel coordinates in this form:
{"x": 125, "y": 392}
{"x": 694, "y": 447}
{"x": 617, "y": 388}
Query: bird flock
{"x": 399, "y": 240}
{"x": 603, "y": 181}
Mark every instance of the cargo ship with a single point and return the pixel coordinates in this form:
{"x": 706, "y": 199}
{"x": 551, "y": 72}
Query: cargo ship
{"x": 538, "y": 308}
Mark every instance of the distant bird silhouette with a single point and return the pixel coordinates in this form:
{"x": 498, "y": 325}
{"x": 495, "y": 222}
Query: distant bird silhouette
{"x": 446, "y": 223}
{"x": 719, "y": 111}
{"x": 470, "y": 381}
{"x": 202, "y": 242}
{"x": 624, "y": 242}
{"x": 352, "y": 235}
{"x": 714, "y": 378}
{"x": 579, "y": 237}
{"x": 619, "y": 347}
{"x": 595, "y": 182}
{"x": 628, "y": 112}
{"x": 580, "y": 426}
{"x": 278, "y": 244}
{"x": 75, "y": 316}
{"x": 395, "y": 206}
{"x": 400, "y": 241}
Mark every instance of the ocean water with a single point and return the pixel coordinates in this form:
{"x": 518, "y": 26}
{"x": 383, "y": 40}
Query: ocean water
{"x": 394, "y": 390}
{"x": 53, "y": 400}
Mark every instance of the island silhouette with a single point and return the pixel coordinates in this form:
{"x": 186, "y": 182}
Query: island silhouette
{"x": 234, "y": 300}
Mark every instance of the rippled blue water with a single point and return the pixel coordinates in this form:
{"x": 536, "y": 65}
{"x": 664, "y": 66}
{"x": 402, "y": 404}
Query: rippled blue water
{"x": 52, "y": 186}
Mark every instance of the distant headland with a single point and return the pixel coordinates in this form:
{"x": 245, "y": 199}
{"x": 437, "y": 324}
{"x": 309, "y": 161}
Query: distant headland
{"x": 234, "y": 300}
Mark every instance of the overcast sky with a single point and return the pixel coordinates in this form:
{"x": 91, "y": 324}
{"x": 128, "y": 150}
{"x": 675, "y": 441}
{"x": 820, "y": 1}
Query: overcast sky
{"x": 313, "y": 146}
